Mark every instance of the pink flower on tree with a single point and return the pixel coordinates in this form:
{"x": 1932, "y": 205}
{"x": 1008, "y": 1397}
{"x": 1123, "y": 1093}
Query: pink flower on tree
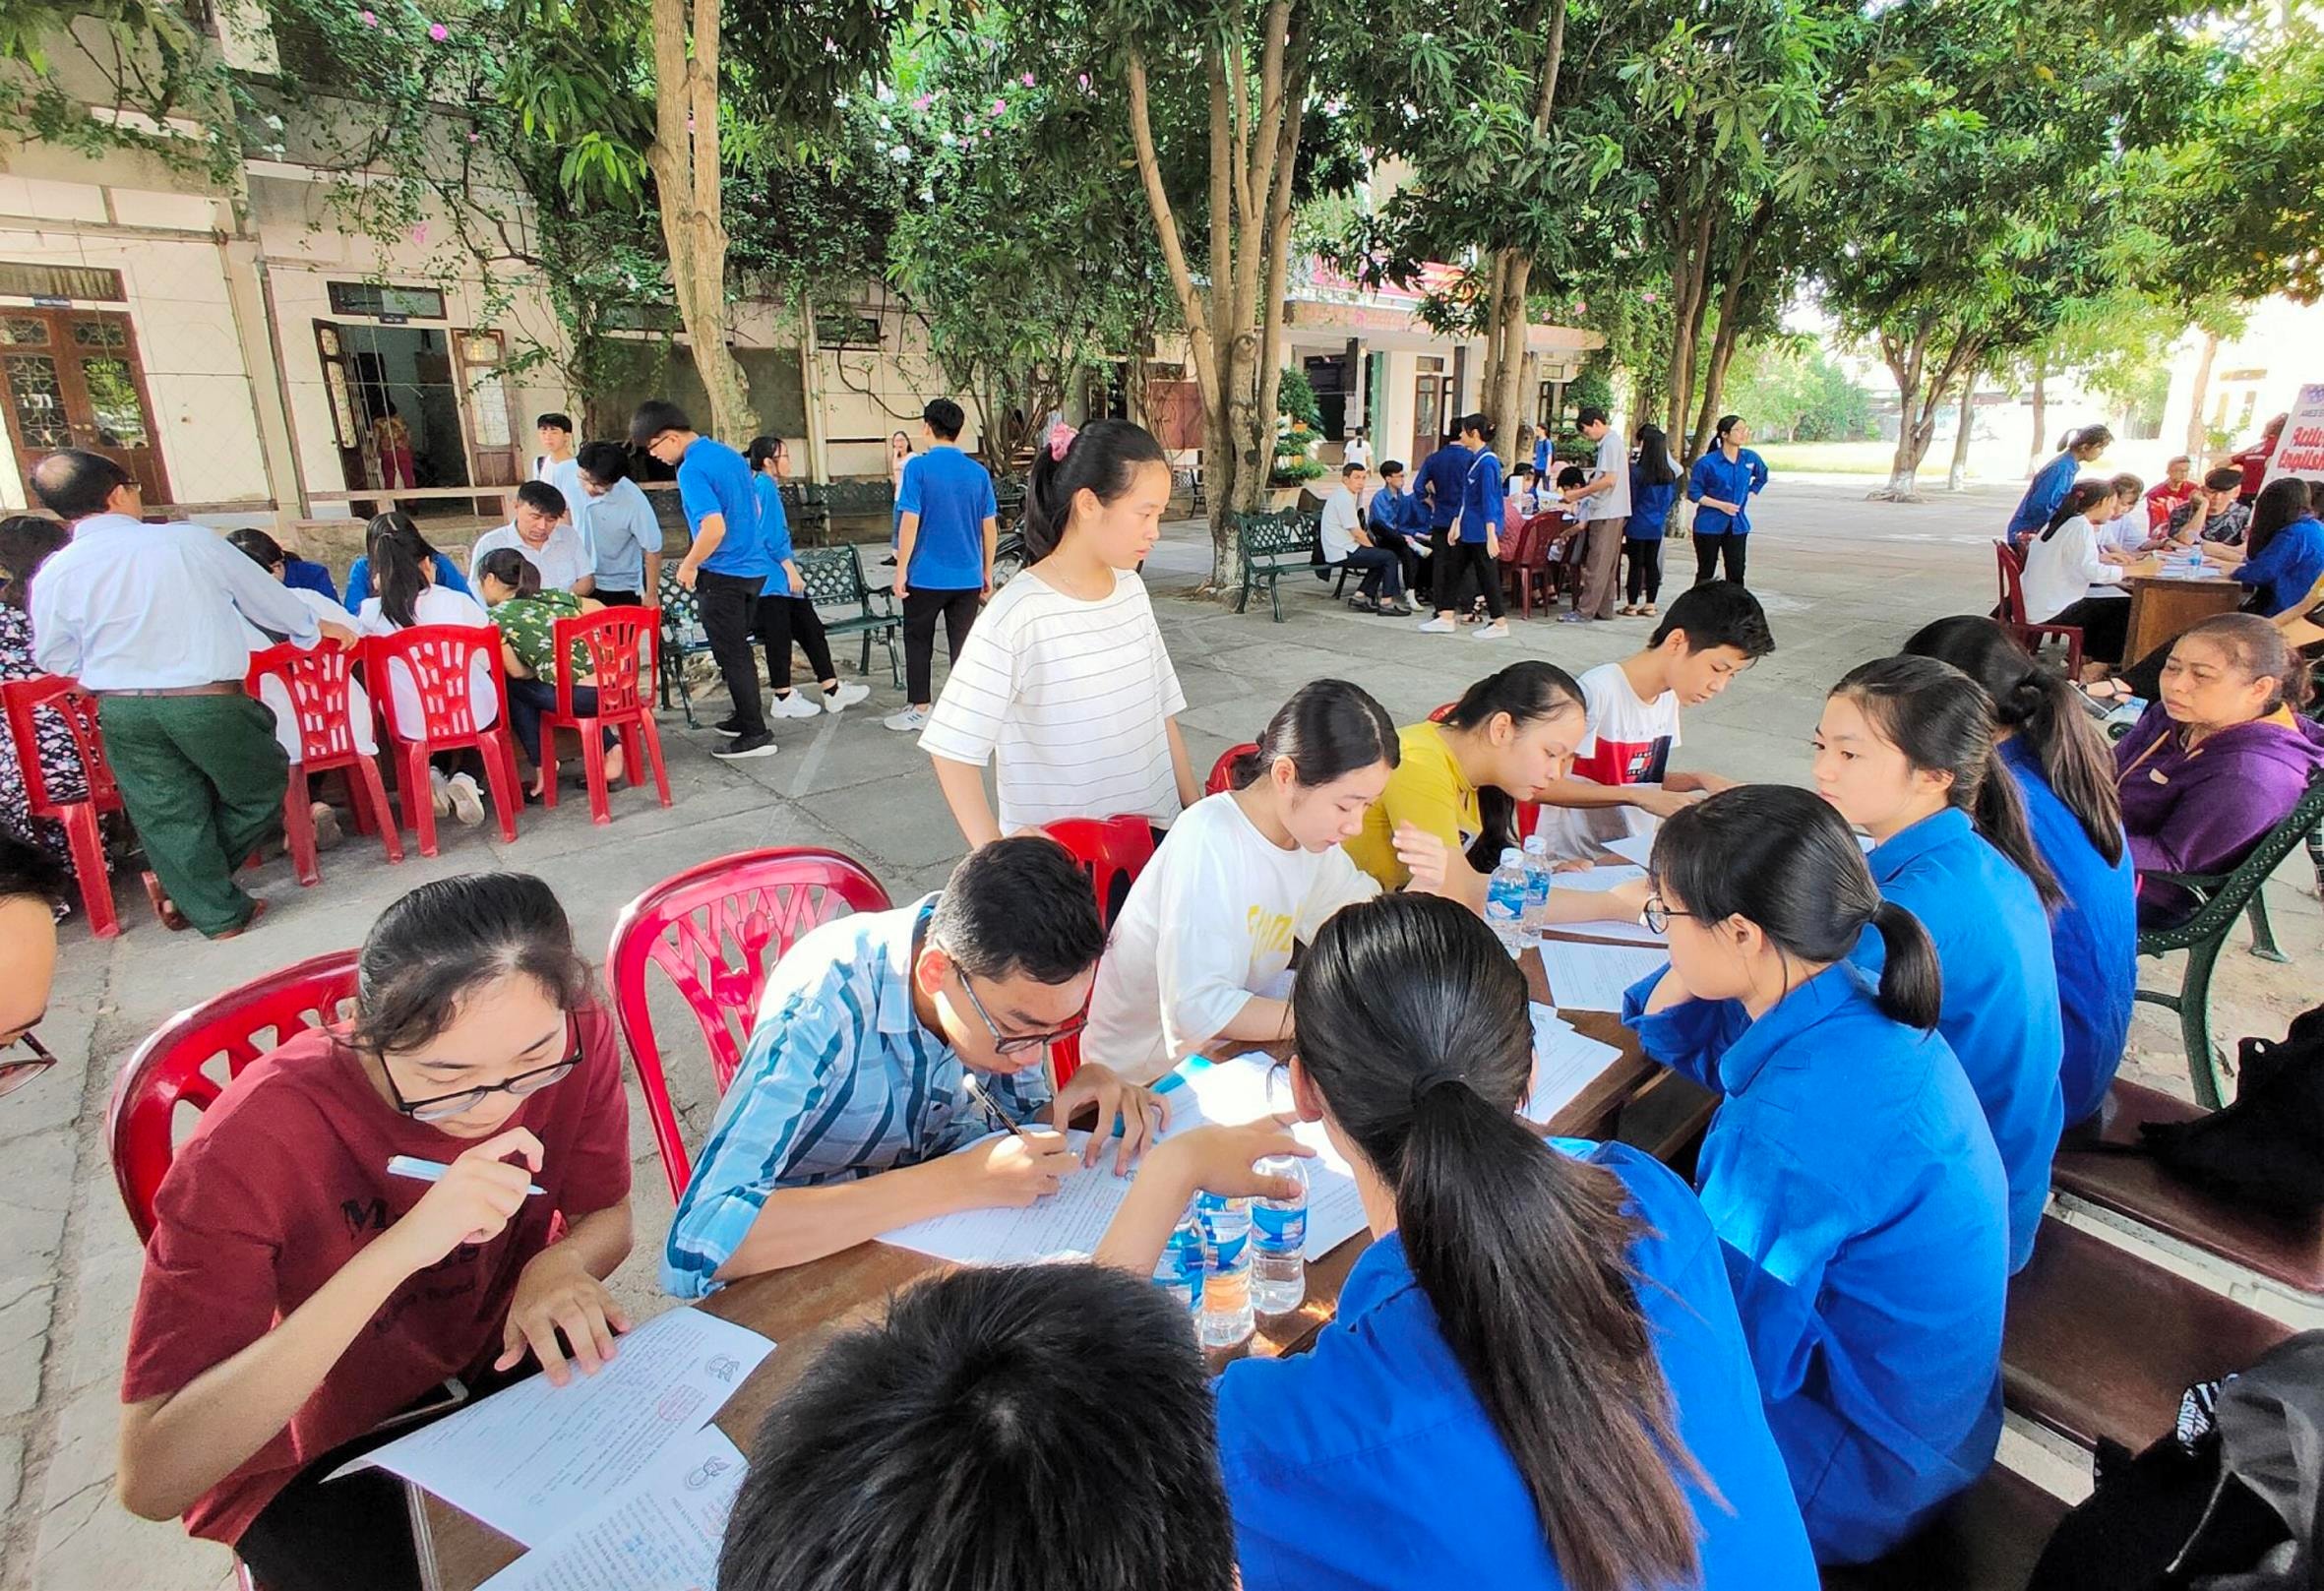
{"x": 370, "y": 17}
{"x": 999, "y": 106}
{"x": 1646, "y": 299}
{"x": 1084, "y": 80}
{"x": 924, "y": 101}
{"x": 1026, "y": 80}
{"x": 438, "y": 31}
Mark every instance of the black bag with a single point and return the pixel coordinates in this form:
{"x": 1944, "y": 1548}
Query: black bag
{"x": 2268, "y": 1146}
{"x": 2228, "y": 1502}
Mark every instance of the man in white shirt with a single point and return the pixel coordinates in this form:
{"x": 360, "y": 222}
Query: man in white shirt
{"x": 1603, "y": 504}
{"x": 554, "y": 548}
{"x": 149, "y": 617}
{"x": 1347, "y": 541}
{"x": 559, "y": 463}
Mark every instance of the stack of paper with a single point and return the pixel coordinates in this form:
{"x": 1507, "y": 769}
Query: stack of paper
{"x": 1598, "y": 880}
{"x": 1592, "y": 977}
{"x": 1565, "y": 1063}
{"x": 659, "y": 1533}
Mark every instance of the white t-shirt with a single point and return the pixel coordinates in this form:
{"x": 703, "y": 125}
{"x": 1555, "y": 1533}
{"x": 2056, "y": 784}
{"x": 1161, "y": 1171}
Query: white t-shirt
{"x": 1357, "y": 451}
{"x": 438, "y": 604}
{"x": 1209, "y": 922}
{"x": 563, "y": 559}
{"x": 565, "y": 475}
{"x": 2061, "y": 570}
{"x": 1613, "y": 503}
{"x": 1629, "y": 742}
{"x": 1068, "y": 700}
{"x": 277, "y": 698}
{"x": 1340, "y": 512}
{"x": 2125, "y": 532}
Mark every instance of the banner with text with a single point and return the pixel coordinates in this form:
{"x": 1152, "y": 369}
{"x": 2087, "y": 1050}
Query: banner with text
{"x": 2300, "y": 449}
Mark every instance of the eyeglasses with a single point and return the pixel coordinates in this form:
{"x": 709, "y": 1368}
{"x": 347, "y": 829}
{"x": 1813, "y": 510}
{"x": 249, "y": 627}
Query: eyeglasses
{"x": 16, "y": 1071}
{"x": 1016, "y": 1043}
{"x": 443, "y": 1106}
{"x": 1657, "y": 916}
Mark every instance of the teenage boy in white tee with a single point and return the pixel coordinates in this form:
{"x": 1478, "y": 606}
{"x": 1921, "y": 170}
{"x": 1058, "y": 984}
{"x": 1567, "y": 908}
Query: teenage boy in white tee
{"x": 1621, "y": 782}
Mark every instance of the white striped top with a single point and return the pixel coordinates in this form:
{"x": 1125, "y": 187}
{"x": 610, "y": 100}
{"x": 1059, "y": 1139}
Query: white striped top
{"x": 1071, "y": 697}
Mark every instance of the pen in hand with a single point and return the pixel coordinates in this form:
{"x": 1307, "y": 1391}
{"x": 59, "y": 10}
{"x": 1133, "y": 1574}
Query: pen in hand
{"x": 432, "y": 1171}
{"x": 990, "y": 1105}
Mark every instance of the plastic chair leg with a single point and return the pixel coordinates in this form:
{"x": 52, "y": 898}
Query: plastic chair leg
{"x": 417, "y": 793}
{"x": 594, "y": 763}
{"x": 547, "y": 763}
{"x": 372, "y": 811}
{"x": 2263, "y": 938}
{"x": 87, "y": 843}
{"x": 499, "y": 770}
{"x": 299, "y": 828}
{"x": 652, "y": 739}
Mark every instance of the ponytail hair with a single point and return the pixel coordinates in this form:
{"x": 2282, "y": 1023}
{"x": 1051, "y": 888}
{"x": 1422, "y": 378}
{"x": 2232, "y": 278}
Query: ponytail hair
{"x": 2087, "y": 436}
{"x": 1942, "y": 721}
{"x": 2034, "y": 701}
{"x": 512, "y": 569}
{"x": 2080, "y": 499}
{"x": 400, "y": 559}
{"x": 1329, "y": 729}
{"x": 1782, "y": 858}
{"x": 1102, "y": 458}
{"x": 1528, "y": 691}
{"x": 1413, "y": 1027}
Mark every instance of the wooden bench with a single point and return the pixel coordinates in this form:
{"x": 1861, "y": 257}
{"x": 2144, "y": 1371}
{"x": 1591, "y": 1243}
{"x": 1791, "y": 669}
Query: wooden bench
{"x": 2284, "y": 1249}
{"x": 2101, "y": 1343}
{"x": 835, "y": 579}
{"x": 1273, "y": 545}
{"x": 1987, "y": 1540}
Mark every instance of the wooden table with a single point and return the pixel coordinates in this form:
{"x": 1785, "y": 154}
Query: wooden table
{"x": 2164, "y": 609}
{"x": 803, "y": 1307}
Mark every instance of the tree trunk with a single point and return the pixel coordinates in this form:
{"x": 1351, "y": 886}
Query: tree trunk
{"x": 1505, "y": 330}
{"x": 2199, "y": 393}
{"x": 1904, "y": 363}
{"x": 1957, "y": 478}
{"x": 1731, "y": 317}
{"x": 2037, "y": 446}
{"x": 684, "y": 159}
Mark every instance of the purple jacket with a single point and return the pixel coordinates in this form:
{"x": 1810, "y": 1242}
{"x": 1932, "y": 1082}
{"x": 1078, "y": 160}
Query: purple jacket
{"x": 2202, "y": 811}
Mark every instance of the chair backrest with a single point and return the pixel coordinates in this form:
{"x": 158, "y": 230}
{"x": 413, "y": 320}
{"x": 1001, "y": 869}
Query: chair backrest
{"x": 709, "y": 929}
{"x": 1278, "y": 534}
{"x": 77, "y": 709}
{"x": 1222, "y": 771}
{"x": 2013, "y": 594}
{"x": 316, "y": 681}
{"x": 1533, "y": 541}
{"x": 619, "y": 644}
{"x": 833, "y": 578}
{"x": 1112, "y": 852}
{"x": 189, "y": 1060}
{"x": 441, "y": 660}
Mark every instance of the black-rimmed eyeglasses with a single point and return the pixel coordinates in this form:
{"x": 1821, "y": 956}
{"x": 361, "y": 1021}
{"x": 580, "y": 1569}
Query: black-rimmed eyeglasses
{"x": 440, "y": 1107}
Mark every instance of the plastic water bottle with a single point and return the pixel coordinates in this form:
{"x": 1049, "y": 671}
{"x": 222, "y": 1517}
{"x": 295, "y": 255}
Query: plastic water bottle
{"x": 1227, "y": 1316}
{"x": 1504, "y": 901}
{"x": 1537, "y": 886}
{"x": 1178, "y": 1273}
{"x": 1278, "y": 1241}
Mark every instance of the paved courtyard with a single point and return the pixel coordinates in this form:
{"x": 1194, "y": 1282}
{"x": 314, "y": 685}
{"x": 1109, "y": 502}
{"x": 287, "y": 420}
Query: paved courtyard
{"x": 1843, "y": 581}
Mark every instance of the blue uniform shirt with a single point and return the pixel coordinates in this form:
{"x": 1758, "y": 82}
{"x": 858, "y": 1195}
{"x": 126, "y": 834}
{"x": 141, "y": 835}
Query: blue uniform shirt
{"x": 360, "y": 591}
{"x": 774, "y": 531}
{"x": 1481, "y": 495}
{"x": 2287, "y": 568}
{"x": 302, "y": 574}
{"x": 712, "y": 478}
{"x": 1369, "y": 1461}
{"x": 1650, "y": 507}
{"x": 953, "y": 496}
{"x": 2043, "y": 493}
{"x": 1851, "y": 1176}
{"x": 1731, "y": 480}
{"x": 1396, "y": 510}
{"x": 2093, "y": 938}
{"x": 1541, "y": 457}
{"x": 1446, "y": 471}
{"x": 2002, "y": 993}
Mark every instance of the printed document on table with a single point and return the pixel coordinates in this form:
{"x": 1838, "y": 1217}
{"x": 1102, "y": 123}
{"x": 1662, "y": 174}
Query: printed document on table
{"x": 1065, "y": 1224}
{"x": 528, "y": 1460}
{"x": 1597, "y": 880}
{"x": 1639, "y": 848}
{"x": 1565, "y": 1063}
{"x": 1592, "y": 977}
{"x": 659, "y": 1533}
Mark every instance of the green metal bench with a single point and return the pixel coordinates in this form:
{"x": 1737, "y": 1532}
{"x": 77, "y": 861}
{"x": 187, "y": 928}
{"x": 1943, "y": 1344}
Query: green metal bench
{"x": 835, "y": 580}
{"x": 1274, "y": 544}
{"x": 2224, "y": 897}
{"x": 682, "y": 637}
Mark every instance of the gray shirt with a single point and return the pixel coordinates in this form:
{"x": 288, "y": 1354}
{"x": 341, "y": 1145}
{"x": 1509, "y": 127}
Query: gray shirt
{"x": 622, "y": 532}
{"x": 1614, "y": 459}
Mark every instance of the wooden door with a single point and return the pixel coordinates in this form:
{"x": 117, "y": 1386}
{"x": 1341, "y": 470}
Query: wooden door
{"x": 349, "y": 424}
{"x": 487, "y": 414}
{"x": 1430, "y": 393}
{"x": 73, "y": 379}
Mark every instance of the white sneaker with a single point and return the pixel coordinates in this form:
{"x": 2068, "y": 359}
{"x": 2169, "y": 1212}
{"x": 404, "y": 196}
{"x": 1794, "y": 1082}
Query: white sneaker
{"x": 439, "y": 792}
{"x": 910, "y": 722}
{"x": 847, "y": 695}
{"x": 1437, "y": 627}
{"x": 798, "y": 705}
{"x": 468, "y": 802}
{"x": 1498, "y": 630}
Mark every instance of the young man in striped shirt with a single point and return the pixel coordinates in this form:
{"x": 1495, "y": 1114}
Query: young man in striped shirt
{"x": 889, "y": 1048}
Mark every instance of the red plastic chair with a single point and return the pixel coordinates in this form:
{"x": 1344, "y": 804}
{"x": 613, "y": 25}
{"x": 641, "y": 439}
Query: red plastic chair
{"x": 441, "y": 657}
{"x": 179, "y": 1065}
{"x": 319, "y": 681}
{"x": 621, "y": 644}
{"x": 709, "y": 929}
{"x": 1531, "y": 565}
{"x": 78, "y": 812}
{"x": 1112, "y": 852}
{"x": 1222, "y": 771}
{"x": 2013, "y": 612}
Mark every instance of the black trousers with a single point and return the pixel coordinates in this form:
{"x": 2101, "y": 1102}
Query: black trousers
{"x": 783, "y": 620}
{"x": 1375, "y": 565}
{"x": 1708, "y": 550}
{"x": 1410, "y": 564}
{"x": 922, "y": 609}
{"x": 730, "y": 617}
{"x": 616, "y": 600}
{"x": 2105, "y": 623}
{"x": 1461, "y": 563}
{"x": 1645, "y": 576}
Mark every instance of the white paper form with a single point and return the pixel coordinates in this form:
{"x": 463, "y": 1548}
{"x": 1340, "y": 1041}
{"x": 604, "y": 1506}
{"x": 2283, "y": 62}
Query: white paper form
{"x": 1592, "y": 977}
{"x": 1639, "y": 848}
{"x": 528, "y": 1460}
{"x": 1597, "y": 880}
{"x": 1065, "y": 1224}
{"x": 659, "y": 1533}
{"x": 1565, "y": 1063}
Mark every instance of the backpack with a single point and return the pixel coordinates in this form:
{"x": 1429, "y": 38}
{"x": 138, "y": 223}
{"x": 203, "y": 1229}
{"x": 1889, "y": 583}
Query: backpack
{"x": 2268, "y": 1146}
{"x": 2232, "y": 1500}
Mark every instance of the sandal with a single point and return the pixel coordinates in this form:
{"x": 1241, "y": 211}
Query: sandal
{"x": 163, "y": 907}
{"x": 1647, "y": 612}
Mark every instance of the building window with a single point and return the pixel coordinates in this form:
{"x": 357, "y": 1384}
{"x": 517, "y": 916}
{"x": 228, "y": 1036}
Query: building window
{"x": 62, "y": 282}
{"x": 847, "y": 332}
{"x": 382, "y": 303}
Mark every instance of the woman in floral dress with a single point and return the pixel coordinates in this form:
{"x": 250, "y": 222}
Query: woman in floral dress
{"x": 25, "y": 541}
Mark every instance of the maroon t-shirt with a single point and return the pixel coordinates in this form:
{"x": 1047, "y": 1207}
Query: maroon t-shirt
{"x": 283, "y": 1179}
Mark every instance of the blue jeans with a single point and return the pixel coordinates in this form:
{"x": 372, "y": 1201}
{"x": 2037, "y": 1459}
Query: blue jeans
{"x": 529, "y": 698}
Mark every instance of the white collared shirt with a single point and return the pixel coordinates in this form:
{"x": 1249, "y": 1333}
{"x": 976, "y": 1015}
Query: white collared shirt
{"x": 131, "y": 606}
{"x": 1341, "y": 513}
{"x": 563, "y": 560}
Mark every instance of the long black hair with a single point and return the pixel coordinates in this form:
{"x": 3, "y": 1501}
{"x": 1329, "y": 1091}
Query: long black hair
{"x": 512, "y": 569}
{"x": 434, "y": 948}
{"x": 1413, "y": 1026}
{"x": 1328, "y": 729}
{"x": 2034, "y": 701}
{"x": 400, "y": 559}
{"x": 2080, "y": 499}
{"x": 2279, "y": 504}
{"x": 2087, "y": 436}
{"x": 1526, "y": 691}
{"x": 1102, "y": 457}
{"x": 1656, "y": 467}
{"x": 1942, "y": 721}
{"x": 27, "y": 541}
{"x": 1782, "y": 858}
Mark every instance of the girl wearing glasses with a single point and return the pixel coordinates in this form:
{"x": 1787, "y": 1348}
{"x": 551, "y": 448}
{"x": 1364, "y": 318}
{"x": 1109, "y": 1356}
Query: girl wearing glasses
{"x": 1849, "y": 1170}
{"x": 296, "y": 1297}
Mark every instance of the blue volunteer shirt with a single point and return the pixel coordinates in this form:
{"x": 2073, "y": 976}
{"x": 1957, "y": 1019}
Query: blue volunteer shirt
{"x": 2093, "y": 938}
{"x": 1369, "y": 1461}
{"x": 774, "y": 532}
{"x": 712, "y": 478}
{"x": 2288, "y": 568}
{"x": 953, "y": 496}
{"x": 1481, "y": 499}
{"x": 1650, "y": 507}
{"x": 1731, "y": 480}
{"x": 840, "y": 1081}
{"x": 1439, "y": 483}
{"x": 2043, "y": 493}
{"x": 1852, "y": 1180}
{"x": 360, "y": 589}
{"x": 2001, "y": 995}
{"x": 1397, "y": 511}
